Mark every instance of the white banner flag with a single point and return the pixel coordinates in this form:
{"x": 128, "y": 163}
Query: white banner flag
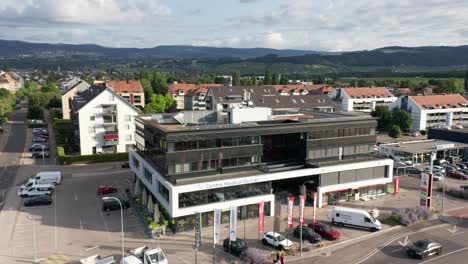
{"x": 217, "y": 225}
{"x": 233, "y": 224}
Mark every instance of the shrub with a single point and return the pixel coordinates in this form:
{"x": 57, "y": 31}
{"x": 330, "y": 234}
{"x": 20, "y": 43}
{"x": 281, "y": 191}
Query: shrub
{"x": 97, "y": 158}
{"x": 423, "y": 132}
{"x": 409, "y": 216}
{"x": 392, "y": 220}
{"x": 252, "y": 256}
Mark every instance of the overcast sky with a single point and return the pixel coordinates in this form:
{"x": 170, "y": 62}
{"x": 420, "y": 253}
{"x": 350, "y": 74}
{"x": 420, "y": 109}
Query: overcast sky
{"x": 331, "y": 25}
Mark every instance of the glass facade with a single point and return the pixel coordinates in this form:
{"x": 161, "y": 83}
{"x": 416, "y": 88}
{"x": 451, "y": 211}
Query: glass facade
{"x": 339, "y": 132}
{"x": 223, "y": 194}
{"x": 332, "y": 198}
{"x": 216, "y": 143}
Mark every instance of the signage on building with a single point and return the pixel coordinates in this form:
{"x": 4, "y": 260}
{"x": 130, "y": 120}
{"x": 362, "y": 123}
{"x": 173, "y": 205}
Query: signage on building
{"x": 198, "y": 231}
{"x": 315, "y": 206}
{"x": 396, "y": 189}
{"x": 216, "y": 225}
{"x": 261, "y": 217}
{"x": 426, "y": 189}
{"x": 302, "y": 199}
{"x": 233, "y": 224}
{"x": 290, "y": 211}
{"x": 227, "y": 183}
{"x": 445, "y": 146}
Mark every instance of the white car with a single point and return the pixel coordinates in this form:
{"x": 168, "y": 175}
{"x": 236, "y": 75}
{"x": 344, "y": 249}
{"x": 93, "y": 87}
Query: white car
{"x": 276, "y": 240}
{"x": 435, "y": 169}
{"x": 437, "y": 176}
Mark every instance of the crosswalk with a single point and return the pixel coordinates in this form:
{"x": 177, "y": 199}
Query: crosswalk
{"x": 58, "y": 258}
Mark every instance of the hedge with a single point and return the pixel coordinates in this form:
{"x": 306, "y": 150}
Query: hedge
{"x": 97, "y": 158}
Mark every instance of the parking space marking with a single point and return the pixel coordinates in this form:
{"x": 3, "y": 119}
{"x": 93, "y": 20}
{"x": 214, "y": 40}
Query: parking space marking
{"x": 58, "y": 258}
{"x": 103, "y": 220}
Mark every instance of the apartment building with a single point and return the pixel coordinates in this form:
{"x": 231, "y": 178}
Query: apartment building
{"x": 103, "y": 121}
{"x": 364, "y": 99}
{"x": 179, "y": 90}
{"x": 11, "y": 81}
{"x": 304, "y": 89}
{"x": 129, "y": 90}
{"x": 438, "y": 110}
{"x": 198, "y": 161}
{"x": 69, "y": 94}
{"x": 195, "y": 100}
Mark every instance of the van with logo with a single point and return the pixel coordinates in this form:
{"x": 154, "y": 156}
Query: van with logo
{"x": 35, "y": 191}
{"x": 342, "y": 216}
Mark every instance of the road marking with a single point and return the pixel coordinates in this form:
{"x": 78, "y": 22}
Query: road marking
{"x": 103, "y": 220}
{"x": 404, "y": 243}
{"x": 444, "y": 255}
{"x": 457, "y": 233}
{"x": 76, "y": 197}
{"x": 58, "y": 258}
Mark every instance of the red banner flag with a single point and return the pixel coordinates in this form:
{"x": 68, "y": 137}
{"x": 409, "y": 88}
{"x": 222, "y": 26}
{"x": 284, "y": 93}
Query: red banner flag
{"x": 302, "y": 199}
{"x": 396, "y": 189}
{"x": 290, "y": 211}
{"x": 261, "y": 217}
{"x": 315, "y": 206}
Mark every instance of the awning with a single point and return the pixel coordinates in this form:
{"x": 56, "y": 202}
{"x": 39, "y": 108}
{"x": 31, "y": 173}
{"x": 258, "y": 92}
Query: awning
{"x": 111, "y": 137}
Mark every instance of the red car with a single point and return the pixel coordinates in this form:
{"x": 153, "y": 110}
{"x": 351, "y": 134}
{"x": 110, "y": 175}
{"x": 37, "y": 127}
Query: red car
{"x": 325, "y": 231}
{"x": 458, "y": 175}
{"x": 106, "y": 189}
{"x": 42, "y": 136}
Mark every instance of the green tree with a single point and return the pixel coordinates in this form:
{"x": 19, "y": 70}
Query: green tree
{"x": 146, "y": 85}
{"x": 284, "y": 79}
{"x": 384, "y": 117}
{"x": 205, "y": 78}
{"x": 320, "y": 80}
{"x": 50, "y": 88}
{"x": 268, "y": 78}
{"x": 159, "y": 83}
{"x": 395, "y": 132}
{"x": 275, "y": 79}
{"x": 466, "y": 82}
{"x": 362, "y": 83}
{"x": 221, "y": 80}
{"x": 144, "y": 74}
{"x": 159, "y": 104}
{"x": 402, "y": 119}
{"x": 35, "y": 112}
{"x": 236, "y": 78}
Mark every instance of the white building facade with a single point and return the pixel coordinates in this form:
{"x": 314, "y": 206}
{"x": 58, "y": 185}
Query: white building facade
{"x": 364, "y": 99}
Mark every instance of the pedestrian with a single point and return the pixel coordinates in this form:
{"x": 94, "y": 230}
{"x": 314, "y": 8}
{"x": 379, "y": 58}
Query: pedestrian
{"x": 282, "y": 259}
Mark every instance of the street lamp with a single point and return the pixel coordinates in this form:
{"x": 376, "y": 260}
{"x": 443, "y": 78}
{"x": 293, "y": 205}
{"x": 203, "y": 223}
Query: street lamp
{"x": 108, "y": 198}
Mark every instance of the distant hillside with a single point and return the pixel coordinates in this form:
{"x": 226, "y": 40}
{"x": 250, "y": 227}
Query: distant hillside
{"x": 9, "y": 48}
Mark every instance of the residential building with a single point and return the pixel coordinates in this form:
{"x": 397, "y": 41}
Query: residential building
{"x": 103, "y": 121}
{"x": 68, "y": 95}
{"x": 195, "y": 162}
{"x": 130, "y": 91}
{"x": 364, "y": 99}
{"x": 222, "y": 98}
{"x": 179, "y": 90}
{"x": 69, "y": 83}
{"x": 443, "y": 110}
{"x": 11, "y": 81}
{"x": 196, "y": 99}
{"x": 304, "y": 89}
{"x": 322, "y": 103}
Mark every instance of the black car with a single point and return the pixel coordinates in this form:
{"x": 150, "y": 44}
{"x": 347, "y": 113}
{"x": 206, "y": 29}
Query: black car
{"x": 424, "y": 248}
{"x": 413, "y": 170}
{"x": 40, "y": 154}
{"x": 307, "y": 234}
{"x": 38, "y": 200}
{"x": 114, "y": 205}
{"x": 237, "y": 247}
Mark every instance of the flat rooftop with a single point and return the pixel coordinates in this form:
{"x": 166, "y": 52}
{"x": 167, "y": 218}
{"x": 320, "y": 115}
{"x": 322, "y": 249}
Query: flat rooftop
{"x": 424, "y": 146}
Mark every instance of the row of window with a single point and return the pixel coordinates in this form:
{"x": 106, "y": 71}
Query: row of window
{"x": 335, "y": 151}
{"x": 163, "y": 191}
{"x": 111, "y": 118}
{"x": 223, "y": 194}
{"x": 213, "y": 164}
{"x": 339, "y": 132}
{"x": 216, "y": 143}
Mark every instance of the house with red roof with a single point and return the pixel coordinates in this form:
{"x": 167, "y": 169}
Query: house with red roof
{"x": 129, "y": 90}
{"x": 438, "y": 110}
{"x": 364, "y": 99}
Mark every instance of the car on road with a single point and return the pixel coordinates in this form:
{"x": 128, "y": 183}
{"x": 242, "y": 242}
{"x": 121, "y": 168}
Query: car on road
{"x": 38, "y": 200}
{"x": 424, "y": 248}
{"x": 276, "y": 240}
{"x": 237, "y": 247}
{"x": 38, "y": 147}
{"x": 458, "y": 175}
{"x": 40, "y": 154}
{"x": 39, "y": 140}
{"x": 325, "y": 231}
{"x": 114, "y": 205}
{"x": 413, "y": 170}
{"x": 106, "y": 189}
{"x": 307, "y": 234}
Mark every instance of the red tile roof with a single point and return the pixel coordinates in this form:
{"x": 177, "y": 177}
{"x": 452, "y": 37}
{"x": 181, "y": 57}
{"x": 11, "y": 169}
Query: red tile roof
{"x": 312, "y": 89}
{"x": 404, "y": 90}
{"x": 125, "y": 86}
{"x": 198, "y": 90}
{"x": 186, "y": 87}
{"x": 367, "y": 92}
{"x": 440, "y": 101}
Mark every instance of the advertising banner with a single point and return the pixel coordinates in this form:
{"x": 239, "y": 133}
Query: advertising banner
{"x": 233, "y": 224}
{"x": 261, "y": 217}
{"x": 290, "y": 211}
{"x": 396, "y": 189}
{"x": 216, "y": 225}
{"x": 198, "y": 232}
{"x": 315, "y": 206}
{"x": 302, "y": 199}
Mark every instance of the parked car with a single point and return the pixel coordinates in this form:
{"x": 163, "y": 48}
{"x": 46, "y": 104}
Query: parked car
{"x": 437, "y": 176}
{"x": 38, "y": 147}
{"x": 237, "y": 247}
{"x": 440, "y": 162}
{"x": 307, "y": 234}
{"x": 276, "y": 240}
{"x": 464, "y": 171}
{"x": 114, "y": 205}
{"x": 413, "y": 134}
{"x": 106, "y": 189}
{"x": 35, "y": 191}
{"x": 125, "y": 165}
{"x": 458, "y": 126}
{"x": 41, "y": 136}
{"x": 437, "y": 168}
{"x": 38, "y": 200}
{"x": 342, "y": 216}
{"x": 39, "y": 140}
{"x": 40, "y": 154}
{"x": 458, "y": 175}
{"x": 413, "y": 170}
{"x": 44, "y": 177}
{"x": 424, "y": 248}
{"x": 454, "y": 159}
{"x": 461, "y": 166}
{"x": 464, "y": 187}
{"x": 402, "y": 160}
{"x": 325, "y": 231}
{"x": 36, "y": 130}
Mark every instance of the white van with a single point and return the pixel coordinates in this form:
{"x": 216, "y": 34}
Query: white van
{"x": 51, "y": 177}
{"x": 353, "y": 217}
{"x": 32, "y": 183}
{"x": 34, "y": 191}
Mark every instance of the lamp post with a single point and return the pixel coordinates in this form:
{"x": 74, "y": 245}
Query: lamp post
{"x": 108, "y": 198}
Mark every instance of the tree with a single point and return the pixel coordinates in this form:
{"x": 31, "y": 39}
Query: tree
{"x": 144, "y": 74}
{"x": 268, "y": 78}
{"x": 466, "y": 82}
{"x": 320, "y": 80}
{"x": 159, "y": 104}
{"x": 205, "y": 78}
{"x": 284, "y": 79}
{"x": 159, "y": 83}
{"x": 384, "y": 117}
{"x": 275, "y": 78}
{"x": 395, "y": 132}
{"x": 362, "y": 83}
{"x": 35, "y": 112}
{"x": 402, "y": 119}
{"x": 236, "y": 78}
{"x": 148, "y": 90}
{"x": 221, "y": 80}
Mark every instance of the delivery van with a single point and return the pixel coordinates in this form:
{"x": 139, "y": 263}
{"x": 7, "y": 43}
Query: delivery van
{"x": 342, "y": 216}
{"x": 35, "y": 191}
{"x": 32, "y": 183}
{"x": 51, "y": 177}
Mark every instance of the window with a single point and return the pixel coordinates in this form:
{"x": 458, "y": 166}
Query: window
{"x": 182, "y": 167}
{"x": 128, "y": 118}
{"x": 367, "y": 220}
{"x": 91, "y": 118}
{"x": 111, "y": 97}
{"x": 129, "y": 137}
{"x": 148, "y": 176}
{"x": 136, "y": 163}
{"x": 163, "y": 191}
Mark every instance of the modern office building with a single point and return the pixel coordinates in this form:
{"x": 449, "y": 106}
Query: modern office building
{"x": 364, "y": 99}
{"x": 103, "y": 121}
{"x": 199, "y": 161}
{"x": 431, "y": 111}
